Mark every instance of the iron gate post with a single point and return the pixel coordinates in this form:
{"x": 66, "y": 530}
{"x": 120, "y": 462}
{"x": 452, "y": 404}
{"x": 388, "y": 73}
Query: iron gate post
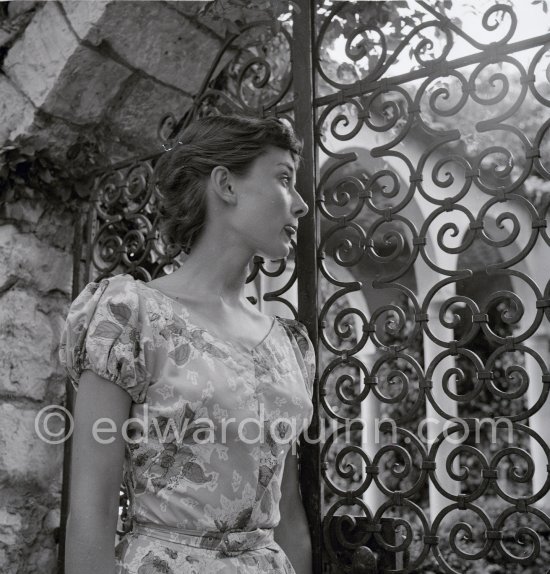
{"x": 306, "y": 254}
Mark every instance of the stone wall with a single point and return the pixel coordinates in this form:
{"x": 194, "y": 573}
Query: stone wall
{"x": 35, "y": 289}
{"x": 66, "y": 69}
{"x": 77, "y": 65}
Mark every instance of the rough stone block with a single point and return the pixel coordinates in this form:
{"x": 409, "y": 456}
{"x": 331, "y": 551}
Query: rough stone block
{"x": 58, "y": 135}
{"x": 188, "y": 8}
{"x": 20, "y": 7}
{"x": 219, "y": 27}
{"x": 27, "y": 521}
{"x": 16, "y": 112}
{"x": 5, "y": 562}
{"x": 26, "y": 210}
{"x": 6, "y": 36}
{"x": 49, "y": 223}
{"x": 19, "y": 15}
{"x": 137, "y": 116}
{"x": 24, "y": 456}
{"x": 56, "y": 72}
{"x": 27, "y": 347}
{"x": 84, "y": 16}
{"x": 10, "y": 523}
{"x": 191, "y": 10}
{"x": 37, "y": 59}
{"x": 56, "y": 228}
{"x": 155, "y": 38}
{"x": 84, "y": 88}
{"x": 24, "y": 256}
{"x": 43, "y": 560}
{"x": 52, "y": 519}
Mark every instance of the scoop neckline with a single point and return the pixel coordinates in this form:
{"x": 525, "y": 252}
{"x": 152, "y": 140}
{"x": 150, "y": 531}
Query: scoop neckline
{"x": 228, "y": 341}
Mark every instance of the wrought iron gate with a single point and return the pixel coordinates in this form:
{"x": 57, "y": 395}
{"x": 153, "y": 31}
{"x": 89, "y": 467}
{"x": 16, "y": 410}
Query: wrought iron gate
{"x": 420, "y": 274}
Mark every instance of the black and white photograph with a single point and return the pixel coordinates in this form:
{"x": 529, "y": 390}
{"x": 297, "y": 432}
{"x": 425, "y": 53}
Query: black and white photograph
{"x": 274, "y": 287}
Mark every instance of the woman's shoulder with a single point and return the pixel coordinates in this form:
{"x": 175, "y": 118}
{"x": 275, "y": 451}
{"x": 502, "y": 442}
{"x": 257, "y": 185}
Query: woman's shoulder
{"x": 303, "y": 348}
{"x": 108, "y": 331}
{"x": 121, "y": 287}
{"x": 117, "y": 286}
{"x": 298, "y": 331}
{"x": 116, "y": 303}
{"x": 123, "y": 282}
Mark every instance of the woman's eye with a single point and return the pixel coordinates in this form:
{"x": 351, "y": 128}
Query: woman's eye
{"x": 286, "y": 179}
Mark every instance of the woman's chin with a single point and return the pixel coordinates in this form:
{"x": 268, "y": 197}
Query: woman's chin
{"x": 281, "y": 252}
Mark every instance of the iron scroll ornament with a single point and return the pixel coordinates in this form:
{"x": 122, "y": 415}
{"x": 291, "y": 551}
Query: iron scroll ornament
{"x": 365, "y": 213}
{"x": 419, "y": 351}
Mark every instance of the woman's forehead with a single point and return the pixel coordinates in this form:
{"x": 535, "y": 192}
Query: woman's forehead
{"x": 274, "y": 156}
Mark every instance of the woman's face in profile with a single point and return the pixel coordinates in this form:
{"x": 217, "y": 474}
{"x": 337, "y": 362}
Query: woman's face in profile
{"x": 268, "y": 206}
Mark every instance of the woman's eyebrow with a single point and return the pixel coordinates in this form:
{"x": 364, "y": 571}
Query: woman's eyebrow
{"x": 288, "y": 165}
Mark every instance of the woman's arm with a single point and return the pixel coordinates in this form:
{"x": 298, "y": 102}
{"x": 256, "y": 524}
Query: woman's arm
{"x": 292, "y": 532}
{"x": 96, "y": 474}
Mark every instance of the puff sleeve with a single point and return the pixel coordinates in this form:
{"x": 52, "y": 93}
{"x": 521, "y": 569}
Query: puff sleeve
{"x": 106, "y": 332}
{"x": 305, "y": 352}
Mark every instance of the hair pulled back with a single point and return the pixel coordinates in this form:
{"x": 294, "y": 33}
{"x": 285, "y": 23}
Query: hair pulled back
{"x": 181, "y": 173}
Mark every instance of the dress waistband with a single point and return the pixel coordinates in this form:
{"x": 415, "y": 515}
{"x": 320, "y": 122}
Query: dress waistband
{"x": 230, "y": 542}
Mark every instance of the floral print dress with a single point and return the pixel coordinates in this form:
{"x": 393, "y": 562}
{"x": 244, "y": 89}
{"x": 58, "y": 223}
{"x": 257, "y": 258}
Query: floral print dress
{"x": 211, "y": 423}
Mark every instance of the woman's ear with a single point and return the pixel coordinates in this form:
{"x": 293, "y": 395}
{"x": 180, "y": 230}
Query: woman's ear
{"x": 221, "y": 184}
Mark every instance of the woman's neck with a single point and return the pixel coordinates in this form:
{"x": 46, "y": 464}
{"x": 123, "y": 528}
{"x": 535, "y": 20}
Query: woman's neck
{"x": 216, "y": 269}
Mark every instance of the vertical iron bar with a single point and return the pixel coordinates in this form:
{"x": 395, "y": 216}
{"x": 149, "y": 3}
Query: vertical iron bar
{"x": 77, "y": 255}
{"x": 69, "y": 403}
{"x": 91, "y": 224}
{"x": 65, "y": 493}
{"x": 306, "y": 254}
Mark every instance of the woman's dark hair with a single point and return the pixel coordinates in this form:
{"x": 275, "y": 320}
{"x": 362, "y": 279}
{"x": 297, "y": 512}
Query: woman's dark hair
{"x": 234, "y": 142}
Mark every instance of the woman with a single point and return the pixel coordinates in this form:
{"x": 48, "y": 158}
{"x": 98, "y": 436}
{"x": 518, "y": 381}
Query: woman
{"x": 209, "y": 394}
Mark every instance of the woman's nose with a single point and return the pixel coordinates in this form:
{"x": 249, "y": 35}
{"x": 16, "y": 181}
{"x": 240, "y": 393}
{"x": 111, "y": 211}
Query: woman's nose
{"x": 300, "y": 206}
